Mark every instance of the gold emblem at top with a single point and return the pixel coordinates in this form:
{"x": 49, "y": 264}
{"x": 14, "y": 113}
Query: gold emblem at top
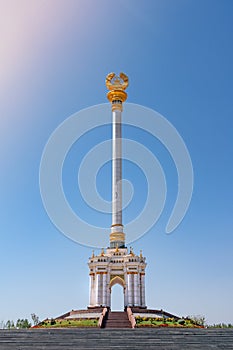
{"x": 114, "y": 82}
{"x": 117, "y": 86}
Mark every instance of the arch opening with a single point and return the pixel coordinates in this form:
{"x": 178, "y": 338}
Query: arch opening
{"x": 117, "y": 290}
{"x": 117, "y": 297}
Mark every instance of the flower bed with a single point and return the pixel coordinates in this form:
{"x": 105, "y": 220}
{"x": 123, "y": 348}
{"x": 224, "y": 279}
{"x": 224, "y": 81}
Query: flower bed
{"x": 165, "y": 322}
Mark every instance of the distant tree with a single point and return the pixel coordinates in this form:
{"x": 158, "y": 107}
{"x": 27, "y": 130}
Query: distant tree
{"x": 221, "y": 325}
{"x": 35, "y": 319}
{"x": 18, "y": 323}
{"x": 23, "y": 323}
{"x": 9, "y": 324}
{"x": 198, "y": 320}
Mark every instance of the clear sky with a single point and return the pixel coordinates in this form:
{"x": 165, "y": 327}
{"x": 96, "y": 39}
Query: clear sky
{"x": 54, "y": 56}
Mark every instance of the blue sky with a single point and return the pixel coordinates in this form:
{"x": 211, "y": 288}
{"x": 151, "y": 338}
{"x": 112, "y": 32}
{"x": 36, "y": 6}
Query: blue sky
{"x": 54, "y": 59}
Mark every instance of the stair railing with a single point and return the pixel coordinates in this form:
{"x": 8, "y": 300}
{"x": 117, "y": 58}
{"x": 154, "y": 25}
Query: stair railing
{"x": 131, "y": 317}
{"x": 102, "y": 317}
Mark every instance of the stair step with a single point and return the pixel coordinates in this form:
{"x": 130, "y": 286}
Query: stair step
{"x": 119, "y": 322}
{"x": 116, "y": 319}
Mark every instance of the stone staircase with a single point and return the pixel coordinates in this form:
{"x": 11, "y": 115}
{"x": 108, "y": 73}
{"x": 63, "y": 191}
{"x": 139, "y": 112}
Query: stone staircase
{"x": 116, "y": 319}
{"x": 115, "y": 339}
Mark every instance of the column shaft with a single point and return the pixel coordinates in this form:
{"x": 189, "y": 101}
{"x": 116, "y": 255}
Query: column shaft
{"x": 136, "y": 294}
{"x": 130, "y": 289}
{"x": 143, "y": 290}
{"x": 92, "y": 291}
{"x": 116, "y": 168}
{"x": 104, "y": 290}
{"x": 108, "y": 290}
{"x": 100, "y": 289}
{"x": 125, "y": 297}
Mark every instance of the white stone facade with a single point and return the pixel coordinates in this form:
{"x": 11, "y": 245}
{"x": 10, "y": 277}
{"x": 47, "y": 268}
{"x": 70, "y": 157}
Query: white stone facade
{"x": 117, "y": 266}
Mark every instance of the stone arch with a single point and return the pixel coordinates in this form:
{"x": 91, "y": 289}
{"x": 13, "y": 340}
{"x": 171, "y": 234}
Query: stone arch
{"x": 117, "y": 280}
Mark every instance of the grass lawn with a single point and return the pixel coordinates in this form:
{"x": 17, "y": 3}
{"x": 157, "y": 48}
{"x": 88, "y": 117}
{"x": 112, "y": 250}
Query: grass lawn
{"x": 68, "y": 323}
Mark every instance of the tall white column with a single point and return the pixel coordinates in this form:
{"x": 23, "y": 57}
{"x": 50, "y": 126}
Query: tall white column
{"x": 125, "y": 291}
{"x": 136, "y": 294}
{"x": 104, "y": 290}
{"x": 110, "y": 298}
{"x": 99, "y": 289}
{"x": 130, "y": 289}
{"x": 116, "y": 95}
{"x": 116, "y": 169}
{"x": 139, "y": 291}
{"x": 108, "y": 290}
{"x": 117, "y": 236}
{"x": 92, "y": 290}
{"x": 143, "y": 290}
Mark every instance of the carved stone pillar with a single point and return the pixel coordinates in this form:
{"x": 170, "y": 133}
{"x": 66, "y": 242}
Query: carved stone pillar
{"x": 143, "y": 290}
{"x": 104, "y": 302}
{"x": 136, "y": 294}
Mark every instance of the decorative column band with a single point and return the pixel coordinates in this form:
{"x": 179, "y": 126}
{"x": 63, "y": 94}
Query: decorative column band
{"x": 117, "y": 236}
{"x": 132, "y": 272}
{"x": 101, "y": 272}
{"x": 116, "y": 97}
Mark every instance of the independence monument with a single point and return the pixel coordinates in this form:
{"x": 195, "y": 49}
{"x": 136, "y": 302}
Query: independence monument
{"x": 116, "y": 264}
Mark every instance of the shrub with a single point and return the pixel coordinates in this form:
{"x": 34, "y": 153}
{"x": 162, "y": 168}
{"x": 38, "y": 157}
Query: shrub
{"x": 182, "y": 322}
{"x": 52, "y": 322}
